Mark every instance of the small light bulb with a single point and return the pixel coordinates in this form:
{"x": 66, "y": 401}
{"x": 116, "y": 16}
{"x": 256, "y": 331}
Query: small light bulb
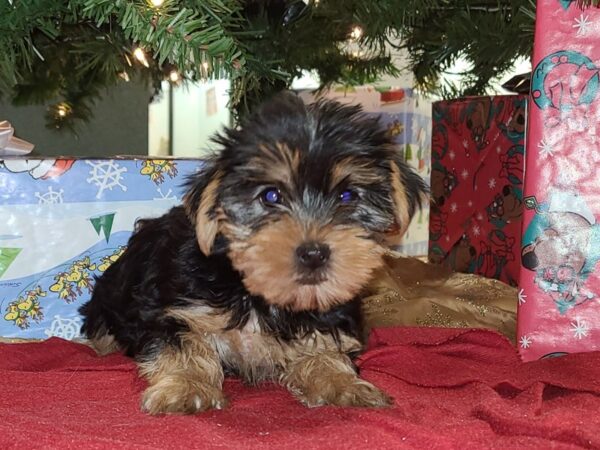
{"x": 62, "y": 110}
{"x": 205, "y": 65}
{"x": 356, "y": 33}
{"x": 124, "y": 75}
{"x": 174, "y": 76}
{"x": 157, "y": 3}
{"x": 140, "y": 55}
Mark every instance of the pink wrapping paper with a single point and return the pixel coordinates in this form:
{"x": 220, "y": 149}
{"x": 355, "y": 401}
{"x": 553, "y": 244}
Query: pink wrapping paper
{"x": 559, "y": 299}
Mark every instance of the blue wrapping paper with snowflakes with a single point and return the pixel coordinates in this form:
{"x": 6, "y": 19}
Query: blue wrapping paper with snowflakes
{"x": 64, "y": 221}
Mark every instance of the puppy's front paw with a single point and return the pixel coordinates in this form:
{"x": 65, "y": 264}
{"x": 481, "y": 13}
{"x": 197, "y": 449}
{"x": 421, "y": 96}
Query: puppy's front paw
{"x": 345, "y": 391}
{"x": 181, "y": 397}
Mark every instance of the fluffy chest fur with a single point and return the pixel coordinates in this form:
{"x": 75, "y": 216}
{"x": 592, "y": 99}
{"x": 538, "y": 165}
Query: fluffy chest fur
{"x": 254, "y": 351}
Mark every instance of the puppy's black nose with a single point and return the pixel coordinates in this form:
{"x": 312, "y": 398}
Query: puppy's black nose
{"x": 312, "y": 255}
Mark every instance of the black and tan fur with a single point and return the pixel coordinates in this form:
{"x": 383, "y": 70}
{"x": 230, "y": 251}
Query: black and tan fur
{"x": 228, "y": 283}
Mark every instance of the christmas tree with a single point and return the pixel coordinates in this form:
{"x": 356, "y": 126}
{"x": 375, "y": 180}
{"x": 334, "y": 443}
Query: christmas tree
{"x": 71, "y": 50}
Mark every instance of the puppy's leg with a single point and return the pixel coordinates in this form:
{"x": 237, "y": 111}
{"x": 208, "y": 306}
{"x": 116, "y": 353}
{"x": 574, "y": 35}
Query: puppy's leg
{"x": 328, "y": 377}
{"x": 183, "y": 379}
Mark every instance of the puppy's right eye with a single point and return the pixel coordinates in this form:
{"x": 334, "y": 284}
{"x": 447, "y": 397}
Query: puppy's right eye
{"x": 271, "y": 196}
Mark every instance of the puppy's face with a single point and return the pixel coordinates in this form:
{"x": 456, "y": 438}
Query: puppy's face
{"x": 305, "y": 197}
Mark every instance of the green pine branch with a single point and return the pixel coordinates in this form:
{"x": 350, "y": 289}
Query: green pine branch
{"x": 70, "y": 51}
{"x": 587, "y": 3}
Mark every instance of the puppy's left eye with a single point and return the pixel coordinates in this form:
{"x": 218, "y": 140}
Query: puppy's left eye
{"x": 347, "y": 196}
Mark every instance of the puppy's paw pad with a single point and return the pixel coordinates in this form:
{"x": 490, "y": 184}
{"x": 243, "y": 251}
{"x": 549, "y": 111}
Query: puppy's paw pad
{"x": 181, "y": 399}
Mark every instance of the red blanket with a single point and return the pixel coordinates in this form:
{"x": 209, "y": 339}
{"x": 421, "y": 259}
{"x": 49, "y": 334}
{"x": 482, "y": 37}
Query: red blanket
{"x": 453, "y": 389}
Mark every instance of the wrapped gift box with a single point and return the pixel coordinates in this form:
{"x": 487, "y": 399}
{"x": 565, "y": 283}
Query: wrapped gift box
{"x": 559, "y": 310}
{"x": 65, "y": 221}
{"x": 477, "y": 184}
{"x": 408, "y": 119}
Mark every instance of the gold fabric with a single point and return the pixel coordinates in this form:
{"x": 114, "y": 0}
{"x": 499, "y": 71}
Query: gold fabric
{"x": 410, "y": 292}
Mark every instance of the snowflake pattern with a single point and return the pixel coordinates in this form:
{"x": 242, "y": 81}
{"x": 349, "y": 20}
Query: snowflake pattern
{"x": 465, "y": 143}
{"x": 64, "y": 328}
{"x": 492, "y": 183}
{"x": 453, "y": 207}
{"x": 451, "y": 155}
{"x": 165, "y": 195}
{"x": 525, "y": 341}
{"x": 470, "y": 203}
{"x": 480, "y": 217}
{"x": 51, "y": 197}
{"x": 582, "y": 24}
{"x": 464, "y": 174}
{"x": 522, "y": 297}
{"x": 106, "y": 175}
{"x": 545, "y": 149}
{"x": 579, "y": 328}
{"x": 476, "y": 230}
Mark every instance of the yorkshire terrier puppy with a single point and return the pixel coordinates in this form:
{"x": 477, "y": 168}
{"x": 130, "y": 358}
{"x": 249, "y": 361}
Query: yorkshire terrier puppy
{"x": 259, "y": 273}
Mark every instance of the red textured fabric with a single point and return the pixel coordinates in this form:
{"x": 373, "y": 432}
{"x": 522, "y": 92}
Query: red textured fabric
{"x": 462, "y": 389}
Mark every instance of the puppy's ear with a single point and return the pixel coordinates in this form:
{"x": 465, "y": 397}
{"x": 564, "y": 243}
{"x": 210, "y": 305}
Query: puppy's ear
{"x": 201, "y": 205}
{"x": 409, "y": 192}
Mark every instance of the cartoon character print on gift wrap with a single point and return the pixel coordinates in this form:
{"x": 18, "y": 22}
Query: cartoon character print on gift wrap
{"x": 443, "y": 182}
{"x": 564, "y": 84}
{"x": 72, "y": 282}
{"x": 439, "y": 142}
{"x": 65, "y": 285}
{"x": 512, "y": 164}
{"x": 495, "y": 253}
{"x": 26, "y": 308}
{"x": 506, "y": 207}
{"x": 477, "y": 117}
{"x": 436, "y": 253}
{"x": 106, "y": 261}
{"x": 395, "y": 128}
{"x": 512, "y": 117}
{"x": 39, "y": 169}
{"x": 437, "y": 223}
{"x": 463, "y": 256}
{"x": 156, "y": 169}
{"x": 450, "y": 116}
{"x": 562, "y": 246}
